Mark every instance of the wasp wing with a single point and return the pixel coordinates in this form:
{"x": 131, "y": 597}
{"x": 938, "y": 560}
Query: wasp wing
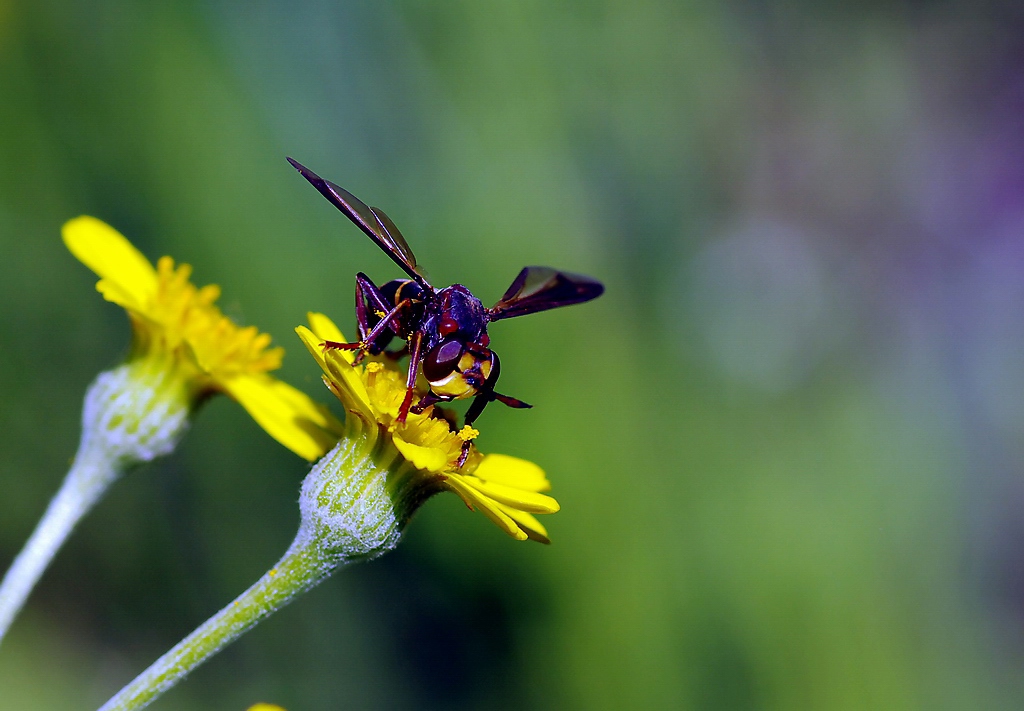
{"x": 543, "y": 288}
{"x": 370, "y": 220}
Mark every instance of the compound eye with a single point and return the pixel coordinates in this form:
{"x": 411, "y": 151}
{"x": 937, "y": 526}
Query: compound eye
{"x": 442, "y": 360}
{"x": 448, "y": 326}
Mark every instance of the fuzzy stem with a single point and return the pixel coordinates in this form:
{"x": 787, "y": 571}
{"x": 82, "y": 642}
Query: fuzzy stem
{"x": 88, "y": 479}
{"x": 353, "y": 506}
{"x": 301, "y": 568}
{"x": 131, "y": 414}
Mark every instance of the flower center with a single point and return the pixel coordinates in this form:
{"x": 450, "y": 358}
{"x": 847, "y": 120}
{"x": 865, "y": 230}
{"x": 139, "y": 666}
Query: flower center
{"x": 188, "y": 315}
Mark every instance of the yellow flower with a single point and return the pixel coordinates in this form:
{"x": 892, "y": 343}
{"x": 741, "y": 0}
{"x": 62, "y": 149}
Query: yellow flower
{"x": 506, "y": 489}
{"x": 176, "y": 327}
{"x": 356, "y": 500}
{"x": 265, "y": 707}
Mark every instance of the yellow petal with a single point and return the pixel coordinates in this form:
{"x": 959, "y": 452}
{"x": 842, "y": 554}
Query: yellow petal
{"x": 516, "y": 498}
{"x": 312, "y": 343}
{"x": 350, "y": 386}
{"x": 288, "y": 415}
{"x": 512, "y": 471}
{"x": 128, "y": 277}
{"x": 490, "y": 509}
{"x": 265, "y": 707}
{"x": 528, "y": 523}
{"x": 326, "y": 329}
{"x": 114, "y": 293}
{"x": 431, "y": 459}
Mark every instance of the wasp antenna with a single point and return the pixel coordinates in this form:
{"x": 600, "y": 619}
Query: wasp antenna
{"x": 511, "y": 401}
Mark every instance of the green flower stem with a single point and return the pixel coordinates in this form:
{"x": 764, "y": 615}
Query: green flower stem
{"x": 354, "y": 505}
{"x": 86, "y": 482}
{"x": 132, "y": 414}
{"x": 301, "y": 568}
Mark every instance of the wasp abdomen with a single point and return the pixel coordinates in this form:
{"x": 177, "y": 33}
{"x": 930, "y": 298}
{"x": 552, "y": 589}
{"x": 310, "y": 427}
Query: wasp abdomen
{"x": 398, "y": 289}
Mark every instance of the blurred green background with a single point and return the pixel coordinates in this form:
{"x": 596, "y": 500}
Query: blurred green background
{"x": 787, "y": 441}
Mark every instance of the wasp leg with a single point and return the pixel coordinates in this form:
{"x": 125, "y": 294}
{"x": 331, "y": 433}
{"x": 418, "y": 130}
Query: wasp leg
{"x": 371, "y": 336}
{"x": 479, "y": 403}
{"x": 366, "y": 291}
{"x": 425, "y": 402}
{"x": 464, "y": 454}
{"x": 369, "y": 295}
{"x": 483, "y": 396}
{"x": 362, "y": 321}
{"x": 335, "y": 345}
{"x": 416, "y": 352}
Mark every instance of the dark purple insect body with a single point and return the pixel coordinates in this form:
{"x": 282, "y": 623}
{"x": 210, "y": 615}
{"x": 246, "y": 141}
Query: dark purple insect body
{"x": 444, "y": 330}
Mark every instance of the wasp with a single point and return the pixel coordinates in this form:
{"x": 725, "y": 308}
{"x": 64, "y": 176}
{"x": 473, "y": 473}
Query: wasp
{"x": 445, "y": 330}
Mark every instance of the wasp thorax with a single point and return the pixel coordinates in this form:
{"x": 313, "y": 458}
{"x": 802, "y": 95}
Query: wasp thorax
{"x": 456, "y": 313}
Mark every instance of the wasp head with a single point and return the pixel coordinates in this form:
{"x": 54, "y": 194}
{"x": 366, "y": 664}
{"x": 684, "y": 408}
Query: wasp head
{"x": 457, "y": 315}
